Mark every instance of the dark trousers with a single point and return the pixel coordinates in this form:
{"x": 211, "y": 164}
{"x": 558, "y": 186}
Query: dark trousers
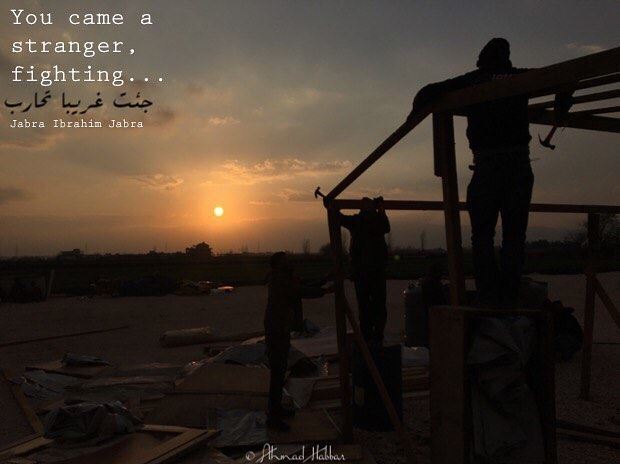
{"x": 277, "y": 348}
{"x": 370, "y": 292}
{"x": 501, "y": 185}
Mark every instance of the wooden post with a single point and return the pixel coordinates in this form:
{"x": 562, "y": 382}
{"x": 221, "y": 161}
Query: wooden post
{"x": 335, "y": 236}
{"x": 443, "y": 143}
{"x": 383, "y": 393}
{"x": 448, "y": 386}
{"x": 607, "y": 301}
{"x": 588, "y": 320}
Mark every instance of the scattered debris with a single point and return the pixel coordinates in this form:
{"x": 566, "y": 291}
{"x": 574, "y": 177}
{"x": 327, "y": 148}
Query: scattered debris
{"x": 224, "y": 289}
{"x": 152, "y": 444}
{"x": 89, "y": 423}
{"x": 191, "y": 288}
{"x": 94, "y": 411}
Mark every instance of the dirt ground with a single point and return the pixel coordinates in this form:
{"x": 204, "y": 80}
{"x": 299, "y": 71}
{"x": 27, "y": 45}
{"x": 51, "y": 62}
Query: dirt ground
{"x": 242, "y": 310}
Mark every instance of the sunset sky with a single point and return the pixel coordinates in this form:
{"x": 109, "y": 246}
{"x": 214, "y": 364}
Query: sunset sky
{"x": 261, "y": 102}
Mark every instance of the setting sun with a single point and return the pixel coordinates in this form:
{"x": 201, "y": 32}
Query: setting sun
{"x": 218, "y": 211}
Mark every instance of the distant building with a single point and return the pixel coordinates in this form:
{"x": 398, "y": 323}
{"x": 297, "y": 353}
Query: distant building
{"x": 76, "y": 253}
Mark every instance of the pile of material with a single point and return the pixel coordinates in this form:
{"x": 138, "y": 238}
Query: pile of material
{"x": 213, "y": 407}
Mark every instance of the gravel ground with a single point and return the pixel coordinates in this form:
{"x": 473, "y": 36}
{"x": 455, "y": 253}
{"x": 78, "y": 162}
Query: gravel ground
{"x": 148, "y": 317}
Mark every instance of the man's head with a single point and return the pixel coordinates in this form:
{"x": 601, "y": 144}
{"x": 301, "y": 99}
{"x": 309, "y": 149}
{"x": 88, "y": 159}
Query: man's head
{"x": 278, "y": 261}
{"x": 367, "y": 204}
{"x": 495, "y": 54}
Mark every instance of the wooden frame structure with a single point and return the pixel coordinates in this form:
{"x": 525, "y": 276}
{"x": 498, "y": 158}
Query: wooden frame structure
{"x": 600, "y": 69}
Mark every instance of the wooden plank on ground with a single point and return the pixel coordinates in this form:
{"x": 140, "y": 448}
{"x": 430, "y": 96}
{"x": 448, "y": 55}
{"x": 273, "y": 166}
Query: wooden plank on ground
{"x": 153, "y": 444}
{"x": 24, "y": 405}
{"x": 24, "y": 446}
{"x": 57, "y": 367}
{"x": 68, "y": 335}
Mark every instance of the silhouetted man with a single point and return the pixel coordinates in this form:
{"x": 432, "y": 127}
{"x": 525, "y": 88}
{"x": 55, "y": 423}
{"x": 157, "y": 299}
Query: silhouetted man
{"x": 283, "y": 314}
{"x": 368, "y": 261}
{"x": 498, "y": 134}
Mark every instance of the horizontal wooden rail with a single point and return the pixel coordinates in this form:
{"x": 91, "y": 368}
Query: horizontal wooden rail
{"x": 537, "y": 82}
{"x": 607, "y": 109}
{"x": 589, "y": 83}
{"x": 591, "y": 97}
{"x": 411, "y": 205}
{"x": 575, "y": 121}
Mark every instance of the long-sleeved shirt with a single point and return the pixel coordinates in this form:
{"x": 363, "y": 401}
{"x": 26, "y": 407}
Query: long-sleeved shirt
{"x": 500, "y": 125}
{"x": 368, "y": 249}
{"x": 284, "y": 301}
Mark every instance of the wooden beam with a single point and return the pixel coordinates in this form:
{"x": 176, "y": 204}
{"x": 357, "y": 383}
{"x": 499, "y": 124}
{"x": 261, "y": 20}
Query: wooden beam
{"x": 588, "y": 321}
{"x": 566, "y": 88}
{"x": 536, "y": 82}
{"x": 443, "y": 143}
{"x": 575, "y": 121}
{"x": 56, "y": 337}
{"x": 545, "y": 390}
{"x": 449, "y": 392}
{"x": 335, "y": 235}
{"x": 591, "y": 97}
{"x": 421, "y": 205}
{"x": 383, "y": 393}
{"x": 605, "y": 110}
{"x": 589, "y": 83}
{"x": 378, "y": 152}
{"x": 23, "y": 403}
{"x": 607, "y": 301}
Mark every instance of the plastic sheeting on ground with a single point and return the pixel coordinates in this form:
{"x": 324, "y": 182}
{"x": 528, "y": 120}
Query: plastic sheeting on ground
{"x": 505, "y": 415}
{"x": 239, "y": 427}
{"x": 91, "y": 422}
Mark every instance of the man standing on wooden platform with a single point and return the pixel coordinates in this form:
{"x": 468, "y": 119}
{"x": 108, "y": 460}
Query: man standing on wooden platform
{"x": 369, "y": 256}
{"x": 498, "y": 134}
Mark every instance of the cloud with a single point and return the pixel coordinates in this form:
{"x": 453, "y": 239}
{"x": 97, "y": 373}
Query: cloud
{"x": 585, "y": 48}
{"x": 8, "y": 194}
{"x": 296, "y": 195}
{"x": 271, "y": 170}
{"x": 6, "y": 64}
{"x": 158, "y": 181}
{"x": 34, "y": 139}
{"x": 261, "y": 203}
{"x": 301, "y": 97}
{"x": 225, "y": 121}
{"x": 163, "y": 116}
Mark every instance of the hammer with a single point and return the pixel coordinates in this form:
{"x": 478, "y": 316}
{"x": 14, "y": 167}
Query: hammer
{"x": 318, "y": 193}
{"x": 547, "y": 142}
{"x": 561, "y": 106}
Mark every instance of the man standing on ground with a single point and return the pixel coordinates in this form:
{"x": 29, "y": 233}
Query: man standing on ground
{"x": 498, "y": 133}
{"x": 369, "y": 255}
{"x": 283, "y": 314}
